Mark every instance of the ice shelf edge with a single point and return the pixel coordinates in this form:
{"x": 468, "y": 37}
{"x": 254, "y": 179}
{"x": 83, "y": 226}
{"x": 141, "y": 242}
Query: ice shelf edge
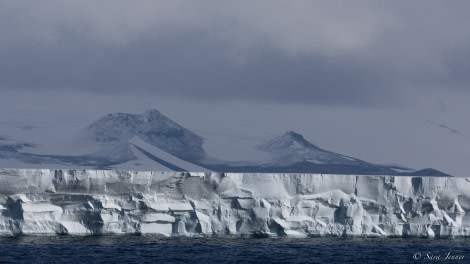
{"x": 81, "y": 202}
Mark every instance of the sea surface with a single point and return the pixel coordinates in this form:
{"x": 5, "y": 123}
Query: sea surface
{"x": 147, "y": 249}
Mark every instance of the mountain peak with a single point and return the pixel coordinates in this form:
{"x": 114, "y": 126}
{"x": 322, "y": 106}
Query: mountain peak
{"x": 152, "y": 127}
{"x": 292, "y": 133}
{"x": 293, "y": 147}
{"x": 142, "y": 139}
{"x": 288, "y": 140}
{"x": 294, "y": 136}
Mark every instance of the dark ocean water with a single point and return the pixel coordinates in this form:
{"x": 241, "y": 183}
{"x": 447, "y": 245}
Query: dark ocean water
{"x": 142, "y": 249}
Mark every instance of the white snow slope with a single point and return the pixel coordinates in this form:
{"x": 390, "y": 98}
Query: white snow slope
{"x": 42, "y": 201}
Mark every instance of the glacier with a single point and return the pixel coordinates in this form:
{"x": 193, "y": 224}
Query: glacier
{"x": 91, "y": 202}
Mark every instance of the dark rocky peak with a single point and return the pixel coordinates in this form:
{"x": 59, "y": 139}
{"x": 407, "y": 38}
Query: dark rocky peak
{"x": 286, "y": 141}
{"x": 152, "y": 127}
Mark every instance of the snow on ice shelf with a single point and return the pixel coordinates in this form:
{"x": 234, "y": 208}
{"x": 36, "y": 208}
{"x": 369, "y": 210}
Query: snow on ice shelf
{"x": 84, "y": 202}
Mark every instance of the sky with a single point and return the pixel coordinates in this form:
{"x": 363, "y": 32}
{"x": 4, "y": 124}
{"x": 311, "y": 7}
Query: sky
{"x": 384, "y": 81}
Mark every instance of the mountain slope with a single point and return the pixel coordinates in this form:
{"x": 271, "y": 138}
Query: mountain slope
{"x": 292, "y": 147}
{"x": 291, "y": 152}
{"x": 152, "y": 141}
{"x": 148, "y": 141}
{"x": 152, "y": 127}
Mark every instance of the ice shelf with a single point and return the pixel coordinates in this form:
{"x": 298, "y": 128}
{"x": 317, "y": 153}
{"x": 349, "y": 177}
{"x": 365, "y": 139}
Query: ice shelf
{"x": 81, "y": 202}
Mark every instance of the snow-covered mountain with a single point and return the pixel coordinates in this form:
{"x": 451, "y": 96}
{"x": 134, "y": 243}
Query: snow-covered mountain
{"x": 152, "y": 141}
{"x": 152, "y": 127}
{"x": 291, "y": 152}
{"x": 292, "y": 148}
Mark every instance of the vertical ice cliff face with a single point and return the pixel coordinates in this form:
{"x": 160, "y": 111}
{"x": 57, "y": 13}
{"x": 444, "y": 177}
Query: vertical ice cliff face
{"x": 230, "y": 204}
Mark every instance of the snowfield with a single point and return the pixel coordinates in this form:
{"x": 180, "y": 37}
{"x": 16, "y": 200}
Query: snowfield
{"x": 81, "y": 202}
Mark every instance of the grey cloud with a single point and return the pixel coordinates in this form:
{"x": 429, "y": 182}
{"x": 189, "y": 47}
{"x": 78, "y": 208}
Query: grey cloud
{"x": 360, "y": 53}
{"x": 183, "y": 66}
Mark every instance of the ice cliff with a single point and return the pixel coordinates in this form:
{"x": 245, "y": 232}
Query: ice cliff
{"x": 230, "y": 204}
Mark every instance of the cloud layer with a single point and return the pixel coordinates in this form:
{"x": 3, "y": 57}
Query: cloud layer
{"x": 302, "y": 52}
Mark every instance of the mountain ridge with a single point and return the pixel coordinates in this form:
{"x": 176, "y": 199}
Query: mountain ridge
{"x": 174, "y": 147}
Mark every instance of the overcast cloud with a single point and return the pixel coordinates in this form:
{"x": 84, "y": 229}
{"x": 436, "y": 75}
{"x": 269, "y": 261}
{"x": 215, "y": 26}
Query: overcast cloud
{"x": 357, "y": 77}
{"x": 362, "y": 53}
